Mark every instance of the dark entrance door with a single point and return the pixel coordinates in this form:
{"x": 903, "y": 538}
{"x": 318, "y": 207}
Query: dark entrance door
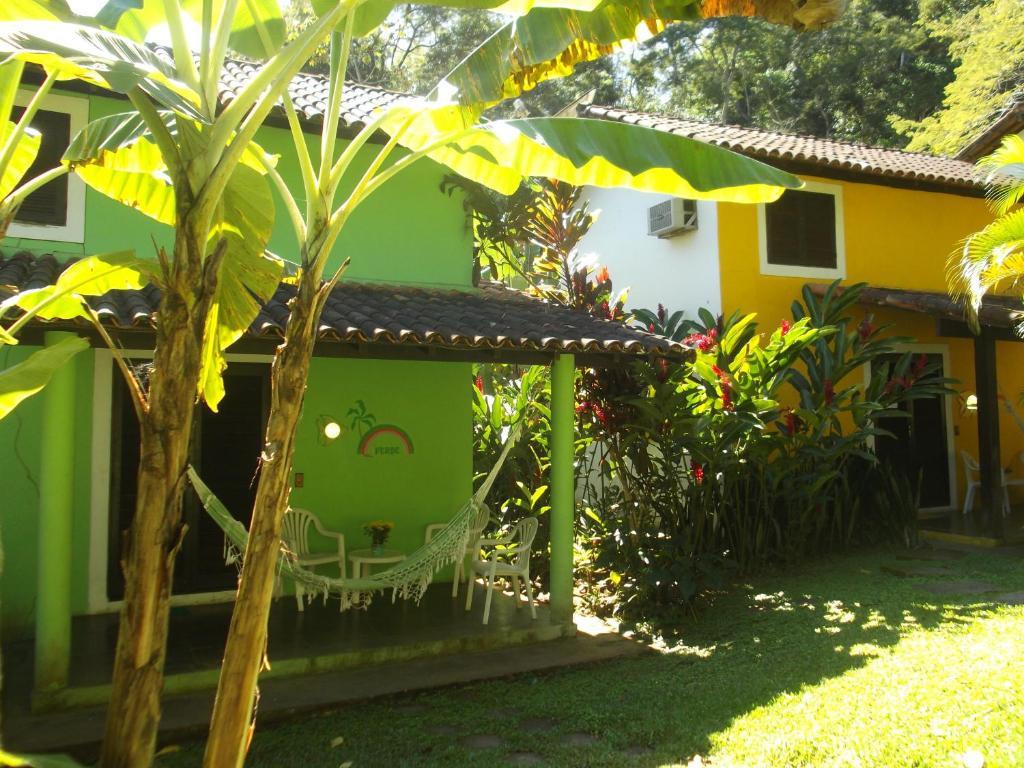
{"x": 225, "y": 451}
{"x": 920, "y": 445}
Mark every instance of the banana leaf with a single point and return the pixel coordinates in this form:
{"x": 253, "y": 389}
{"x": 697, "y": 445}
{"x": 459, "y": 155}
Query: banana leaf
{"x": 503, "y": 153}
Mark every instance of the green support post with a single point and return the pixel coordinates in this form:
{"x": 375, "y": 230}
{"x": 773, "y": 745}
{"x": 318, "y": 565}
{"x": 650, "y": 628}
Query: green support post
{"x": 563, "y": 492}
{"x": 56, "y": 495}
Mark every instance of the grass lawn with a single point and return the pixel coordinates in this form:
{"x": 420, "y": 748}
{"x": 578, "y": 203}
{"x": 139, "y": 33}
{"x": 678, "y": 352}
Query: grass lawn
{"x": 839, "y": 663}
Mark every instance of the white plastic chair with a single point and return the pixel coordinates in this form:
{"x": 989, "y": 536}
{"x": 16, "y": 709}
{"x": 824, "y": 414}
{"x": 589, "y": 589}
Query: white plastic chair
{"x": 295, "y": 530}
{"x": 475, "y": 531}
{"x": 510, "y": 557}
{"x": 971, "y": 473}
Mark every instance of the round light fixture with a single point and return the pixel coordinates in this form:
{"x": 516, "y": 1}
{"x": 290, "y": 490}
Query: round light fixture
{"x": 971, "y": 403}
{"x": 332, "y": 430}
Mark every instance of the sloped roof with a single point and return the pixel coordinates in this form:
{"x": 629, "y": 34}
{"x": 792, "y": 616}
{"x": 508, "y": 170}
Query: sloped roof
{"x": 491, "y": 318}
{"x": 827, "y": 154}
{"x": 309, "y": 94}
{"x": 1010, "y": 120}
{"x": 996, "y": 311}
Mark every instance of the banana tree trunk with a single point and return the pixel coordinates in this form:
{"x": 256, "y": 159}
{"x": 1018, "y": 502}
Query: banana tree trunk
{"x": 156, "y": 532}
{"x": 234, "y": 708}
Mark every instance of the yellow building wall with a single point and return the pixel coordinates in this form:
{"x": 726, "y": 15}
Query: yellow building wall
{"x": 894, "y": 238}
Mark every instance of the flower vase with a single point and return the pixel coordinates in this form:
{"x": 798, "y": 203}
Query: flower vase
{"x": 377, "y": 550}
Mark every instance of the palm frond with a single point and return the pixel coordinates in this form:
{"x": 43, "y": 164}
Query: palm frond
{"x": 1005, "y": 177}
{"x": 989, "y": 259}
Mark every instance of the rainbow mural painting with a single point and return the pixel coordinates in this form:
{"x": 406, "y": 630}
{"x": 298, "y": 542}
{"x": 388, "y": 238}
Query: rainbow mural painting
{"x": 366, "y": 445}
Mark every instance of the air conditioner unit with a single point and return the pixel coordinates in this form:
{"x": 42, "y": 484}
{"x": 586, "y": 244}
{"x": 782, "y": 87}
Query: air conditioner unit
{"x": 672, "y": 217}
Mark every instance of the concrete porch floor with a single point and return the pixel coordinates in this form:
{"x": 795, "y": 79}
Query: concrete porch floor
{"x": 320, "y": 659}
{"x": 973, "y": 525}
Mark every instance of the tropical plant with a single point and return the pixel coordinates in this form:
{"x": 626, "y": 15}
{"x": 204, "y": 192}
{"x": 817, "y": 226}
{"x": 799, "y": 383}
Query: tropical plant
{"x": 756, "y": 451}
{"x": 190, "y": 164}
{"x": 19, "y": 146}
{"x": 183, "y": 161}
{"x": 994, "y": 257}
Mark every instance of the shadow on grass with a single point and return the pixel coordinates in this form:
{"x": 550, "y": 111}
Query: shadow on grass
{"x": 777, "y": 635}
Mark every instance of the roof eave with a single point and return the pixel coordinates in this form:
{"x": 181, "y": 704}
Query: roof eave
{"x": 1011, "y": 121}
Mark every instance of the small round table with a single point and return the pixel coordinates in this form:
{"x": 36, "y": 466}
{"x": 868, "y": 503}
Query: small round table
{"x": 362, "y": 559}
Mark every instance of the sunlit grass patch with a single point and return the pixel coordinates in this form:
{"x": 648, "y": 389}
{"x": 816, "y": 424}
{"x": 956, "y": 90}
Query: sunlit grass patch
{"x": 928, "y": 700}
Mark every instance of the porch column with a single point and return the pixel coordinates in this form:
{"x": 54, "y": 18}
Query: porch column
{"x": 989, "y": 460}
{"x": 563, "y": 492}
{"x": 56, "y": 494}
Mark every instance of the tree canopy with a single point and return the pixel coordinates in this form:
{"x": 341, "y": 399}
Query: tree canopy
{"x": 935, "y": 71}
{"x": 411, "y": 50}
{"x": 987, "y": 44}
{"x": 846, "y": 82}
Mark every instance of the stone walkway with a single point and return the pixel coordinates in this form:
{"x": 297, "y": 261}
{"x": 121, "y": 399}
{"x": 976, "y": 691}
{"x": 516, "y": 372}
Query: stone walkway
{"x": 513, "y": 718}
{"x": 933, "y": 564}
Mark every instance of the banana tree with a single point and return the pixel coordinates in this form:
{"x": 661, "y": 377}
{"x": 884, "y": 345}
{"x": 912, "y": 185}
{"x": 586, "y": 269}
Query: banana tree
{"x": 994, "y": 257}
{"x": 182, "y": 160}
{"x": 19, "y": 146}
{"x": 448, "y": 129}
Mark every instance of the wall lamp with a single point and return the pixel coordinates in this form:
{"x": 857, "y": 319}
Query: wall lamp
{"x": 328, "y": 429}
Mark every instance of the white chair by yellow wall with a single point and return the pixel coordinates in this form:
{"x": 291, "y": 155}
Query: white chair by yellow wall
{"x": 972, "y": 472}
{"x": 295, "y": 531}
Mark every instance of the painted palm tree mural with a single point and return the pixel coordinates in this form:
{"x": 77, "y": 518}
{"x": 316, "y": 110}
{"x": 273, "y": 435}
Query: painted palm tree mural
{"x": 377, "y": 439}
{"x": 360, "y": 418}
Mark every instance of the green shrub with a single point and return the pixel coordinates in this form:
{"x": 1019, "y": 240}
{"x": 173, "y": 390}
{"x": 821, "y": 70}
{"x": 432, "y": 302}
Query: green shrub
{"x": 757, "y": 451}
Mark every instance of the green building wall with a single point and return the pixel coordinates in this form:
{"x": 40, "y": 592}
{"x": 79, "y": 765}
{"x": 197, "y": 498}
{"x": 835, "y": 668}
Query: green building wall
{"x": 20, "y": 458}
{"x": 427, "y": 401}
{"x": 409, "y": 232}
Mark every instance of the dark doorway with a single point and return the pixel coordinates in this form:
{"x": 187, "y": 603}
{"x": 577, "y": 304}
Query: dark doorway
{"x": 920, "y": 444}
{"x": 225, "y": 451}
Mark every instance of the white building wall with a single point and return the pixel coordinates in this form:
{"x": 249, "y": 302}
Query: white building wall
{"x": 680, "y": 272}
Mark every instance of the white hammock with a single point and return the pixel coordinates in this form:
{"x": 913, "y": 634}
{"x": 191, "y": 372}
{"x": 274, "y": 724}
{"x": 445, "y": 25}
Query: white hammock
{"x": 407, "y": 579}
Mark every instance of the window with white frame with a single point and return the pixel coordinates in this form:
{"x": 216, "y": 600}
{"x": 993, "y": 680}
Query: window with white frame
{"x": 801, "y": 233}
{"x": 55, "y": 211}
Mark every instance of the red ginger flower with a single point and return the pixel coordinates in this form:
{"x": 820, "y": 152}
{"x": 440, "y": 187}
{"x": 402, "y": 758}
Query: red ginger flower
{"x": 726, "y": 383}
{"x": 865, "y": 329}
{"x": 478, "y": 382}
{"x": 790, "y": 423}
{"x": 784, "y": 327}
{"x": 727, "y": 397}
{"x": 702, "y": 341}
{"x": 662, "y": 369}
{"x": 698, "y": 472}
{"x": 919, "y": 364}
{"x": 602, "y": 275}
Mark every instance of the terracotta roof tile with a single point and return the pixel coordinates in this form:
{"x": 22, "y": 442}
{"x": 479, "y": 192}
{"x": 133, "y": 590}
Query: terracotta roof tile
{"x": 826, "y": 153}
{"x": 490, "y": 317}
{"x": 996, "y": 311}
{"x": 309, "y": 94}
